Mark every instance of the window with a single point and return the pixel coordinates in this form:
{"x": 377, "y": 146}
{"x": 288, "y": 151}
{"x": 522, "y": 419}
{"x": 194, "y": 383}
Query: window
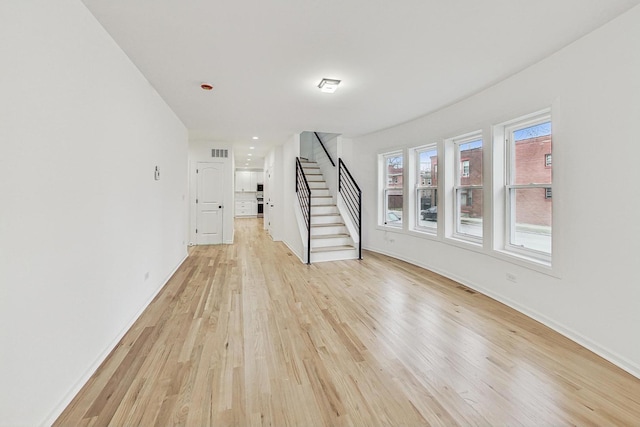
{"x": 464, "y": 168}
{"x": 393, "y": 202}
{"x": 467, "y": 188}
{"x": 427, "y": 189}
{"x": 528, "y": 187}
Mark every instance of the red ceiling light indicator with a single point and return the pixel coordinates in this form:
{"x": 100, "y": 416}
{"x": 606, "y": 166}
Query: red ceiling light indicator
{"x": 206, "y": 86}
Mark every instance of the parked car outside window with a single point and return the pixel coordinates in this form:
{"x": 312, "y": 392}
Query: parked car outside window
{"x": 393, "y": 217}
{"x": 430, "y": 214}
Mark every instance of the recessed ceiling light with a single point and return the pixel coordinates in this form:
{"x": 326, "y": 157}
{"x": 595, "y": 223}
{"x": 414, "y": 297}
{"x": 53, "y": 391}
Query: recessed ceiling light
{"x": 249, "y": 154}
{"x": 255, "y": 137}
{"x": 206, "y": 86}
{"x": 328, "y": 85}
{"x": 251, "y": 148}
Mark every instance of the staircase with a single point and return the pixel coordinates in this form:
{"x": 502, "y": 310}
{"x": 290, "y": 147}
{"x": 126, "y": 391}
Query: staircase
{"x": 330, "y": 239}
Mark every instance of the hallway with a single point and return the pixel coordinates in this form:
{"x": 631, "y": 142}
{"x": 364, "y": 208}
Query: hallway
{"x": 246, "y": 334}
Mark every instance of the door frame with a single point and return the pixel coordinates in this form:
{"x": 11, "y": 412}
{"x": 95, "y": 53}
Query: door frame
{"x": 199, "y": 165}
{"x": 227, "y": 200}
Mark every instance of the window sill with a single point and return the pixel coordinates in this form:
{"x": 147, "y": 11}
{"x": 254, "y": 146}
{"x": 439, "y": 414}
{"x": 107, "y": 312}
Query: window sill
{"x": 463, "y": 243}
{"x": 478, "y": 247}
{"x": 387, "y": 227}
{"x": 531, "y": 263}
{"x": 424, "y": 234}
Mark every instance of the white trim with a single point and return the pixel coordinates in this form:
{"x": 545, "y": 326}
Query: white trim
{"x": 504, "y": 131}
{"x": 454, "y": 185}
{"x": 383, "y": 188}
{"x": 414, "y": 202}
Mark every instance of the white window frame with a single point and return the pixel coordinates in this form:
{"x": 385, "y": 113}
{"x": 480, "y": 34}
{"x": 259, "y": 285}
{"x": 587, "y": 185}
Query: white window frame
{"x": 386, "y": 190}
{"x": 458, "y": 188}
{"x": 510, "y": 188}
{"x": 418, "y": 187}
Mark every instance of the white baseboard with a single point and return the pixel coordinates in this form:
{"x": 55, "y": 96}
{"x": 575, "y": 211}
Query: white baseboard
{"x": 611, "y": 356}
{"x": 96, "y": 364}
{"x": 294, "y": 252}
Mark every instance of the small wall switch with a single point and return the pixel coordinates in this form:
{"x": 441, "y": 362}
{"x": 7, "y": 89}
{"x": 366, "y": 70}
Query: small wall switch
{"x": 157, "y": 174}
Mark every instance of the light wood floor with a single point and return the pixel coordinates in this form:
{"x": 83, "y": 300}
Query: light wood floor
{"x": 247, "y": 335}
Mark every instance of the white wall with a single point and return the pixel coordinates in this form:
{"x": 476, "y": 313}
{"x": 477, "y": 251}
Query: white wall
{"x": 593, "y": 89}
{"x": 87, "y": 236}
{"x": 291, "y": 233}
{"x": 274, "y": 194}
{"x": 306, "y": 146}
{"x": 268, "y": 167}
{"x": 200, "y": 151}
{"x": 329, "y": 171}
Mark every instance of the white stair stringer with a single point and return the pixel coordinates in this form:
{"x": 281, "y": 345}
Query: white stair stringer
{"x": 330, "y": 238}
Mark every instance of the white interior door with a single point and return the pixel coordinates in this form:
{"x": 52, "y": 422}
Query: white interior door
{"x": 209, "y": 204}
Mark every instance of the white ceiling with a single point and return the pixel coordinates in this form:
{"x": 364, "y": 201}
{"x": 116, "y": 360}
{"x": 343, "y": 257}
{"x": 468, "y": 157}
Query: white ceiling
{"x": 397, "y": 60}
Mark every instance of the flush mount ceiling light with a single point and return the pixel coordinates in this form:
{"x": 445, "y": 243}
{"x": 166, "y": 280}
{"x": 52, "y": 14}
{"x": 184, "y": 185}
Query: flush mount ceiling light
{"x": 206, "y": 86}
{"x": 329, "y": 85}
{"x": 255, "y": 137}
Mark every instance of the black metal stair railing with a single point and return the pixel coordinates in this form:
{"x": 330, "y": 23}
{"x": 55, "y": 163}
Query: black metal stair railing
{"x": 352, "y": 197}
{"x": 325, "y": 149}
{"x": 304, "y": 198}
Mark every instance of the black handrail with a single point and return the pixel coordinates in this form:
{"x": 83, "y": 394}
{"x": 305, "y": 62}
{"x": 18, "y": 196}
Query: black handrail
{"x": 304, "y": 198}
{"x": 352, "y": 197}
{"x": 325, "y": 149}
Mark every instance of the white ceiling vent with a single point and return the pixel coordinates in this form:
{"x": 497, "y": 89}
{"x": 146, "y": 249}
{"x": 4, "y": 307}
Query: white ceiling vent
{"x": 219, "y": 153}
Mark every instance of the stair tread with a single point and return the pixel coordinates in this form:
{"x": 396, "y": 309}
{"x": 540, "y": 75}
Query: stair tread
{"x": 326, "y": 214}
{"x": 330, "y": 236}
{"x": 332, "y": 248}
{"x": 329, "y": 197}
{"x": 333, "y": 224}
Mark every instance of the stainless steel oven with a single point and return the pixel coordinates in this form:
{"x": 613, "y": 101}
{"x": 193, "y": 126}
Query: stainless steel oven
{"x": 260, "y": 200}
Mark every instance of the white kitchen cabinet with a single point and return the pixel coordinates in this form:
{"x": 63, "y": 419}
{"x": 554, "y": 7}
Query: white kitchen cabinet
{"x": 259, "y": 176}
{"x": 247, "y": 181}
{"x": 243, "y": 181}
{"x": 246, "y": 208}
